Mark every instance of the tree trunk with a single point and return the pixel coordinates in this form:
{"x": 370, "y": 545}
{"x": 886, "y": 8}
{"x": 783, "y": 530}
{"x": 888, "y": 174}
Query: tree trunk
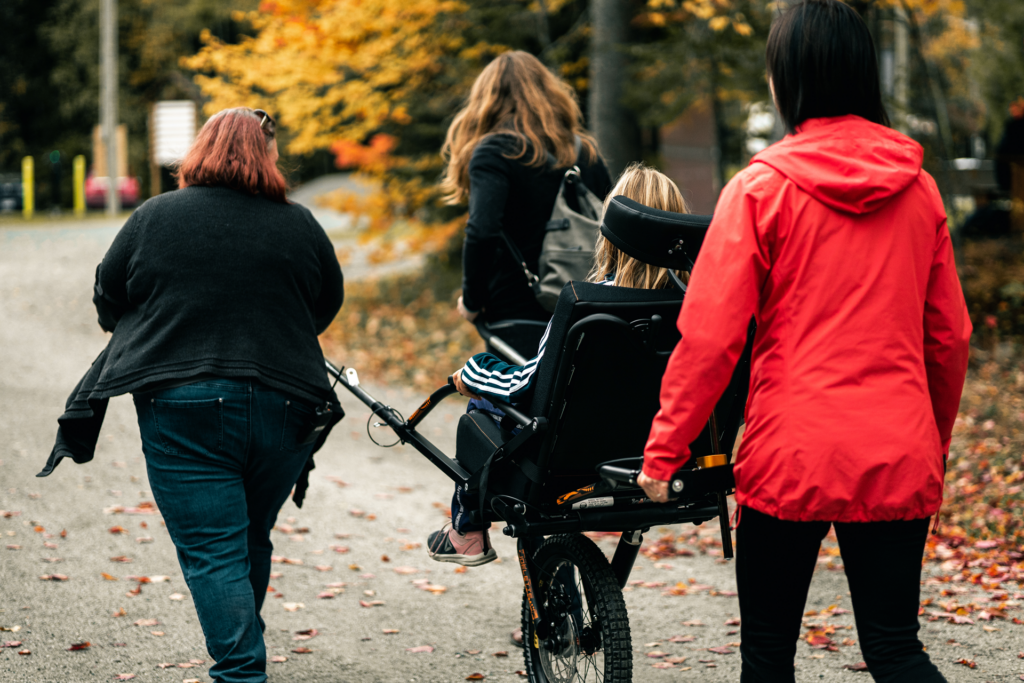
{"x": 609, "y": 119}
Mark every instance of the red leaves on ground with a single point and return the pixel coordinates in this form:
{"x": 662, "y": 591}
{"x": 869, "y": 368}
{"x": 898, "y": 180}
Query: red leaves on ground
{"x": 301, "y": 650}
{"x": 117, "y": 529}
{"x": 278, "y": 659}
{"x": 969, "y": 663}
{"x": 146, "y": 622}
{"x": 121, "y": 612}
{"x": 682, "y": 639}
{"x": 84, "y": 645}
{"x": 371, "y": 603}
{"x": 121, "y": 558}
{"x": 10, "y": 643}
{"x": 53, "y": 577}
{"x": 859, "y": 666}
{"x": 306, "y": 635}
{"x": 475, "y": 677}
{"x": 721, "y": 650}
{"x": 124, "y": 677}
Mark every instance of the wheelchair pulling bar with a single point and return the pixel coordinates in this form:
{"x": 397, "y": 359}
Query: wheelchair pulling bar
{"x": 406, "y": 430}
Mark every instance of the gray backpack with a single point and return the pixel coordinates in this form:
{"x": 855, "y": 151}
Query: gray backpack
{"x": 567, "y": 252}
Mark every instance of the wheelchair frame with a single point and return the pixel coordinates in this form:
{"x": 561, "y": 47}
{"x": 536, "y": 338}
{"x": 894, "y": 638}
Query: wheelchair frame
{"x": 696, "y": 495}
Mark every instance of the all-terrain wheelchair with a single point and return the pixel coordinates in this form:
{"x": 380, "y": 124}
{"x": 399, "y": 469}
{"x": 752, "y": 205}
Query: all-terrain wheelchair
{"x": 567, "y": 463}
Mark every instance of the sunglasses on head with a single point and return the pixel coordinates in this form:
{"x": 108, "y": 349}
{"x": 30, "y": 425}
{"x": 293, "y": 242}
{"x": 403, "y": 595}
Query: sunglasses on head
{"x": 267, "y": 123}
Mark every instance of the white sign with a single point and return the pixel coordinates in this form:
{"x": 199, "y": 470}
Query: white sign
{"x": 174, "y": 129}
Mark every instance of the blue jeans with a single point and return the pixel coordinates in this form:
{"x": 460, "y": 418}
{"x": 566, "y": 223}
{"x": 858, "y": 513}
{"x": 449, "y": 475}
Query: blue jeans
{"x": 222, "y": 456}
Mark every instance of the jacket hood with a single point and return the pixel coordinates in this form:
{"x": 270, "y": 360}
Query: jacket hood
{"x": 846, "y": 162}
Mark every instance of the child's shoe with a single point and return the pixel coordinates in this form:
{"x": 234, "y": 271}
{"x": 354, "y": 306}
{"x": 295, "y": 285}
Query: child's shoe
{"x": 470, "y": 549}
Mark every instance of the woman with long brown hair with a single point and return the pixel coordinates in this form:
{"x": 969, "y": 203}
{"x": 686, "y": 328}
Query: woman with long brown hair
{"x": 215, "y": 295}
{"x": 507, "y": 151}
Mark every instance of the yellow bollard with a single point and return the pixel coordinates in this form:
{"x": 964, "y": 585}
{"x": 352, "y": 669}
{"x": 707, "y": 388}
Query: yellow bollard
{"x": 79, "y": 185}
{"x": 28, "y": 187}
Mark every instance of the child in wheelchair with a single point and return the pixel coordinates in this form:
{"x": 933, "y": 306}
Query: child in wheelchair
{"x": 486, "y": 376}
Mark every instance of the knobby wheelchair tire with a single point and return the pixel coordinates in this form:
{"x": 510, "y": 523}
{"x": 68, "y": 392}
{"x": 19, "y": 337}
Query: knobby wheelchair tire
{"x": 592, "y": 642}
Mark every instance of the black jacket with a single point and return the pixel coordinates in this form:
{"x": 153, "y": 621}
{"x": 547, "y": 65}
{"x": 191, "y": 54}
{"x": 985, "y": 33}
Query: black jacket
{"x": 207, "y": 281}
{"x": 506, "y": 194}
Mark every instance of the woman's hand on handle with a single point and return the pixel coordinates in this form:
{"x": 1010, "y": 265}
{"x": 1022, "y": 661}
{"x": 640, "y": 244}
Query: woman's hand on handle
{"x": 467, "y": 314}
{"x": 460, "y": 386}
{"x": 656, "y": 489}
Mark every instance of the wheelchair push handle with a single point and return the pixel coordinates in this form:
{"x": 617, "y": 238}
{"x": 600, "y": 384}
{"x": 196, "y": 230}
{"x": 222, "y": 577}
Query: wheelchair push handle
{"x": 618, "y": 475}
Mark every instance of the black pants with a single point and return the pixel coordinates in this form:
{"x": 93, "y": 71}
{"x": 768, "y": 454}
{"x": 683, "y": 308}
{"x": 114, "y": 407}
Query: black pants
{"x": 774, "y": 563}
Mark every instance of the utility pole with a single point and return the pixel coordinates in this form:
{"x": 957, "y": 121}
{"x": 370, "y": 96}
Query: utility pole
{"x": 108, "y": 98}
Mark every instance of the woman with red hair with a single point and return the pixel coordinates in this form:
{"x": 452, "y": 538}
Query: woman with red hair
{"x": 215, "y": 295}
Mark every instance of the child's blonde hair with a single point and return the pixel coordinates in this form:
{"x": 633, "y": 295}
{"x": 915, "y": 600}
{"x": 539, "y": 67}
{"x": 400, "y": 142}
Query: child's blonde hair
{"x": 650, "y": 188}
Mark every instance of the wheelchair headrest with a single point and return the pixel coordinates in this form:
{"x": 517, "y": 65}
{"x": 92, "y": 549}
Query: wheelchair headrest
{"x": 660, "y": 238}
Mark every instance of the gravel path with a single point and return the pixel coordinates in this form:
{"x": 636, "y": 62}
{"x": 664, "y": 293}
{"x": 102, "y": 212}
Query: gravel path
{"x": 390, "y": 500}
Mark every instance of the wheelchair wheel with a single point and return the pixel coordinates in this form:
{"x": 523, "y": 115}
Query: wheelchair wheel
{"x": 590, "y": 640}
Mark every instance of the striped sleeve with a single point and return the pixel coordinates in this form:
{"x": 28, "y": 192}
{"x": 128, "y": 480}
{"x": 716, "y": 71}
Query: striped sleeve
{"x": 491, "y": 377}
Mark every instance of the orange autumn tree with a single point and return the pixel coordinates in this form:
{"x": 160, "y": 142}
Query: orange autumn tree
{"x": 370, "y": 80}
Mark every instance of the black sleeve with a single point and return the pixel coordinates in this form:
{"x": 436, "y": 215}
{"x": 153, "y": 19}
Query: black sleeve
{"x": 332, "y": 283}
{"x": 110, "y": 292}
{"x": 598, "y": 180}
{"x": 488, "y": 191}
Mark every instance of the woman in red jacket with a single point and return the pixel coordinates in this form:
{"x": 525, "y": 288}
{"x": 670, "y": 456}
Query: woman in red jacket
{"x": 835, "y": 241}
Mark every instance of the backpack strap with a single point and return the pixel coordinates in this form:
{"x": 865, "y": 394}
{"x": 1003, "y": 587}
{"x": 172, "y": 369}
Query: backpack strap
{"x": 531, "y": 278}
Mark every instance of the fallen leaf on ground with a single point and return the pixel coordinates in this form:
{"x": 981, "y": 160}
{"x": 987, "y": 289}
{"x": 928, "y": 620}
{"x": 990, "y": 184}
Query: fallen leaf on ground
{"x": 663, "y": 665}
{"x": 390, "y": 631}
{"x": 292, "y": 606}
{"x": 371, "y": 603}
{"x": 278, "y": 659}
{"x": 84, "y": 645}
{"x": 144, "y": 539}
{"x": 357, "y": 513}
{"x": 146, "y": 622}
{"x": 301, "y": 650}
{"x": 175, "y": 596}
{"x": 53, "y": 577}
{"x": 675, "y": 660}
{"x": 420, "y": 648}
{"x": 306, "y": 635}
{"x": 108, "y": 577}
{"x": 735, "y": 621}
{"x": 720, "y": 650}
{"x": 124, "y": 677}
{"x": 24, "y": 652}
{"x": 969, "y": 663}
{"x": 475, "y": 677}
{"x": 165, "y": 665}
{"x": 11, "y": 643}
{"x": 117, "y": 529}
{"x": 121, "y": 558}
{"x": 500, "y": 653}
{"x": 13, "y": 546}
{"x": 323, "y": 568}
{"x": 434, "y": 589}
{"x": 657, "y": 654}
{"x": 325, "y": 595}
{"x": 121, "y": 612}
{"x": 158, "y": 634}
{"x": 405, "y": 570}
{"x": 461, "y": 570}
{"x": 859, "y": 666}
{"x": 693, "y": 622}
{"x": 682, "y": 639}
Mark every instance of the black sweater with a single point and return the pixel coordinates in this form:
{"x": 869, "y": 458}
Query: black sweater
{"x": 208, "y": 281}
{"x": 211, "y": 281}
{"x": 506, "y": 194}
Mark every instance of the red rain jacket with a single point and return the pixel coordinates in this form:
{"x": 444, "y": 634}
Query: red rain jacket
{"x": 835, "y": 240}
